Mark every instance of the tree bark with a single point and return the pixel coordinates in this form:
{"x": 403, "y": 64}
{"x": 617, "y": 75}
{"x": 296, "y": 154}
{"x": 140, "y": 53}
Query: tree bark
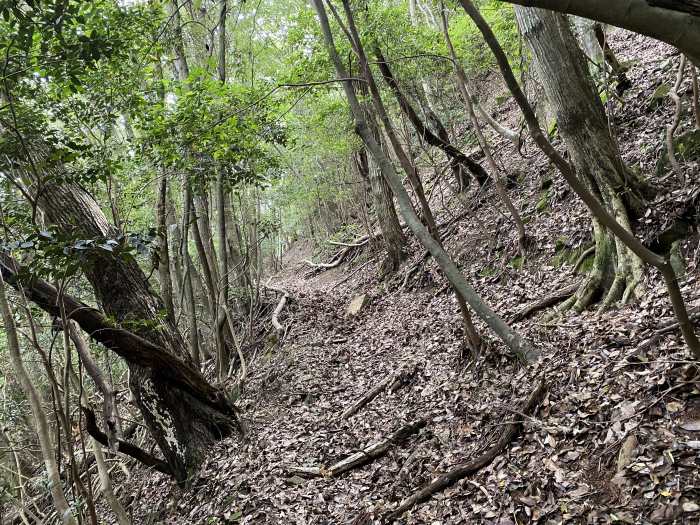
{"x": 406, "y": 164}
{"x": 562, "y": 70}
{"x": 486, "y": 148}
{"x": 679, "y": 29}
{"x": 164, "y": 278}
{"x": 392, "y": 237}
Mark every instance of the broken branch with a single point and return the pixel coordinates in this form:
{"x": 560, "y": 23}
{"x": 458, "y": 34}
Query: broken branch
{"x": 364, "y": 456}
{"x": 124, "y": 447}
{"x": 442, "y": 482}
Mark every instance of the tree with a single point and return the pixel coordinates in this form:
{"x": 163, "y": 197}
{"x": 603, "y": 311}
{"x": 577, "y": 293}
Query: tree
{"x": 594, "y": 205}
{"x": 40, "y": 419}
{"x": 562, "y": 70}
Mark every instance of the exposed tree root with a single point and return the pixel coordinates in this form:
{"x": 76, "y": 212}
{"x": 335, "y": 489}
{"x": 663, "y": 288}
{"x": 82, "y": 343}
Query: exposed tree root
{"x": 340, "y": 256}
{"x": 671, "y": 128}
{"x": 546, "y": 302}
{"x": 442, "y": 482}
{"x": 279, "y": 328}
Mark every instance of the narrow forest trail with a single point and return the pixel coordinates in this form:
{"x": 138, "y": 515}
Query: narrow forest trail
{"x": 615, "y": 436}
{"x": 600, "y": 394}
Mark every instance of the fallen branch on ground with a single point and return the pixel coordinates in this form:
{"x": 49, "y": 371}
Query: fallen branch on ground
{"x": 550, "y": 300}
{"x": 369, "y": 396}
{"x": 403, "y": 378}
{"x": 347, "y": 277}
{"x": 353, "y": 244}
{"x": 364, "y": 456}
{"x": 442, "y": 482}
{"x": 279, "y": 328}
{"x": 667, "y": 328}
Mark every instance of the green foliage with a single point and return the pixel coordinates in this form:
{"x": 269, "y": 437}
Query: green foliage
{"x": 211, "y": 126}
{"x": 469, "y": 43}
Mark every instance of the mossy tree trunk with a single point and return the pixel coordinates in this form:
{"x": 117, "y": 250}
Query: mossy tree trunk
{"x": 561, "y": 68}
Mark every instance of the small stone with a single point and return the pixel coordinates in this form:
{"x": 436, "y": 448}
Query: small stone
{"x": 357, "y": 304}
{"x": 628, "y": 451}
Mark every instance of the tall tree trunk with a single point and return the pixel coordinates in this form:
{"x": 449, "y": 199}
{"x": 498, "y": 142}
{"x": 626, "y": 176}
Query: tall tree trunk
{"x": 190, "y": 306}
{"x": 406, "y": 164}
{"x": 472, "y": 338}
{"x": 393, "y": 239}
{"x": 562, "y": 70}
{"x": 222, "y": 284}
{"x": 164, "y": 278}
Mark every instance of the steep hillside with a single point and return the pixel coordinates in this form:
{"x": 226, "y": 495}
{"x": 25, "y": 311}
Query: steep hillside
{"x": 614, "y": 439}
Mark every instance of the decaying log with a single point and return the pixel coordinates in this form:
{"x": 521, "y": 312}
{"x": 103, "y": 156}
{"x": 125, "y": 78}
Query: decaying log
{"x": 124, "y": 447}
{"x": 550, "y": 300}
{"x": 442, "y": 482}
{"x": 362, "y": 457}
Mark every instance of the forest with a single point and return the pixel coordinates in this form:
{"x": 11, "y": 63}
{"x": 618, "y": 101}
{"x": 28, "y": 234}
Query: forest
{"x": 349, "y": 262}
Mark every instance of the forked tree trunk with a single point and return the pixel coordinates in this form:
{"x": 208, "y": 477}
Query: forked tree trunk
{"x": 562, "y": 69}
{"x": 181, "y": 424}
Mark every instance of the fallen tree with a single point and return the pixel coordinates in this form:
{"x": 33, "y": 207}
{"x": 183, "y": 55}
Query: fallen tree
{"x": 396, "y": 378}
{"x": 178, "y": 376}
